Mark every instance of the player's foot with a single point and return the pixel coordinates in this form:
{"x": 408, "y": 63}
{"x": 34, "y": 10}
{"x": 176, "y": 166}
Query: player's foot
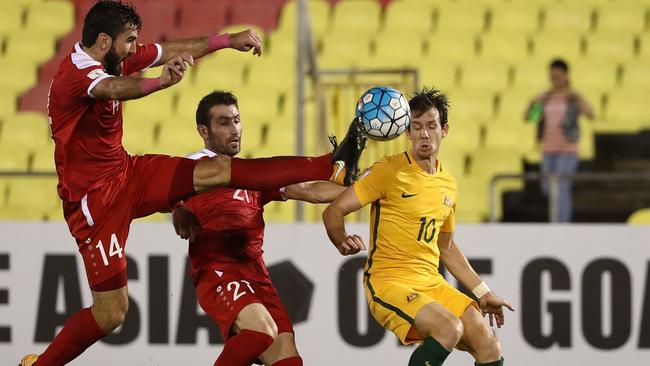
{"x": 28, "y": 360}
{"x": 349, "y": 151}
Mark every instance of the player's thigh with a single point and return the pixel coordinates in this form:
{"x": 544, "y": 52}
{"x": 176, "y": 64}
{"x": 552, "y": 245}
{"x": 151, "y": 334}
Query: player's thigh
{"x": 284, "y": 346}
{"x": 477, "y": 337}
{"x": 224, "y": 297}
{"x": 159, "y": 181}
{"x": 394, "y": 305}
{"x": 436, "y": 321}
{"x": 213, "y": 172}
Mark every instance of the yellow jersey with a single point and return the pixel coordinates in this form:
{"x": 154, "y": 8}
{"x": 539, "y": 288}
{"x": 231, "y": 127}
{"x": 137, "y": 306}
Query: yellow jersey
{"x": 409, "y": 209}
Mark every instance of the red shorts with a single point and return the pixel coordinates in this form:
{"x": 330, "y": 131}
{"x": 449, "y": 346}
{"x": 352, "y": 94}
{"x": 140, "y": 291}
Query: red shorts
{"x": 222, "y": 295}
{"x": 100, "y": 221}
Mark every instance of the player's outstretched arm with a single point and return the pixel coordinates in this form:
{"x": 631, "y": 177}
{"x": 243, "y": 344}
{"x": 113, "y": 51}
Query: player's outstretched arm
{"x": 126, "y": 87}
{"x": 201, "y": 46}
{"x": 456, "y": 262}
{"x": 333, "y": 218}
{"x": 314, "y": 192}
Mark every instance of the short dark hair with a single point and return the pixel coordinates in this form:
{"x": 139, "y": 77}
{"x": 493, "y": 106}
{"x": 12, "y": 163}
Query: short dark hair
{"x": 559, "y": 63}
{"x": 217, "y": 97}
{"x": 428, "y": 98}
{"x": 110, "y": 17}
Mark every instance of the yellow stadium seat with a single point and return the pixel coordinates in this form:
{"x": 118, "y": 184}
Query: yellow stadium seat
{"x": 393, "y": 50}
{"x": 569, "y": 17}
{"x": 472, "y": 201}
{"x": 8, "y": 102}
{"x": 598, "y": 74}
{"x": 532, "y": 76}
{"x": 30, "y": 198}
{"x": 219, "y": 73}
{"x": 271, "y": 75}
{"x": 463, "y": 137}
{"x": 471, "y": 106}
{"x": 485, "y": 76}
{"x": 281, "y": 46}
{"x": 55, "y": 214}
{"x": 156, "y": 217}
{"x": 13, "y": 160}
{"x": 439, "y": 74}
{"x": 31, "y": 45}
{"x": 611, "y": 47}
{"x": 452, "y": 160}
{"x": 178, "y": 139}
{"x": 139, "y": 136}
{"x": 516, "y": 137}
{"x": 451, "y": 48}
{"x": 407, "y": 19}
{"x": 513, "y": 103}
{"x": 43, "y": 159}
{"x": 354, "y": 17}
{"x": 644, "y": 47}
{"x": 639, "y": 217}
{"x": 152, "y": 109}
{"x": 25, "y": 130}
{"x": 514, "y": 18}
{"x": 453, "y": 19}
{"x": 23, "y": 74}
{"x": 636, "y": 75}
{"x": 628, "y": 107}
{"x": 506, "y": 47}
{"x": 53, "y": 17}
{"x": 621, "y": 18}
{"x": 557, "y": 43}
{"x": 318, "y": 16}
{"x": 587, "y": 147}
{"x": 11, "y": 17}
{"x": 341, "y": 50}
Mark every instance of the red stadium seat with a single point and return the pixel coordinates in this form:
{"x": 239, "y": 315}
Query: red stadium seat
{"x": 264, "y": 13}
{"x": 201, "y": 17}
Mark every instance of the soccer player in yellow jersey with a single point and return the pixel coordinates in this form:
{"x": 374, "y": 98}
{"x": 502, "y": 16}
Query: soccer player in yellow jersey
{"x": 413, "y": 200}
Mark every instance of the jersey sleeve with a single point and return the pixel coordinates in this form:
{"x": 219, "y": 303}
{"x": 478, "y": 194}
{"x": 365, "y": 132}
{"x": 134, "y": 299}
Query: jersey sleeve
{"x": 80, "y": 82}
{"x": 146, "y": 55}
{"x": 375, "y": 183}
{"x": 450, "y": 223}
{"x": 272, "y": 195}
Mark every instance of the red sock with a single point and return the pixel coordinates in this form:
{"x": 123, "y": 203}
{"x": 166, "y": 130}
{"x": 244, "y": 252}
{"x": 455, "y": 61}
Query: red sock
{"x": 291, "y": 361}
{"x": 79, "y": 332}
{"x": 244, "y": 348}
{"x": 274, "y": 173}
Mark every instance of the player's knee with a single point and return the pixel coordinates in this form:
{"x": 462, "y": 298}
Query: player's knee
{"x": 489, "y": 348}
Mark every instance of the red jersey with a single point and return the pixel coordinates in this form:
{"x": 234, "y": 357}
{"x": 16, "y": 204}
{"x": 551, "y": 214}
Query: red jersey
{"x": 232, "y": 228}
{"x": 87, "y": 132}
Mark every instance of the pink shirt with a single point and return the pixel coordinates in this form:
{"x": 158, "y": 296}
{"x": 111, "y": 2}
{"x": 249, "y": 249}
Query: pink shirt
{"x": 553, "y": 138}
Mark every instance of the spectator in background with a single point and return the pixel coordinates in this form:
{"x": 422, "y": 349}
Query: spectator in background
{"x": 557, "y": 110}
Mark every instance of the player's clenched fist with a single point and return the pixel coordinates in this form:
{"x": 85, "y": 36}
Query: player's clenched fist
{"x": 352, "y": 244}
{"x": 245, "y": 41}
{"x": 174, "y": 69}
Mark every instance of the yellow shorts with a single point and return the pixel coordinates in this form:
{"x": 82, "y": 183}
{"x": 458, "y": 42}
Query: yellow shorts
{"x": 395, "y": 303}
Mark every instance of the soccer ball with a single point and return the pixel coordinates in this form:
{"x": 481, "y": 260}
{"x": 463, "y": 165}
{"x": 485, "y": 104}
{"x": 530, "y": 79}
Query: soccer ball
{"x": 385, "y": 113}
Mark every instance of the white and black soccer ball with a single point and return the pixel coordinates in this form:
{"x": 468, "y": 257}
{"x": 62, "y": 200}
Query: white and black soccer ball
{"x": 385, "y": 113}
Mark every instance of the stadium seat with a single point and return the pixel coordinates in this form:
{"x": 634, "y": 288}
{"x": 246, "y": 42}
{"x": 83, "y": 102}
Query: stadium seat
{"x": 50, "y": 17}
{"x": 463, "y": 137}
{"x": 569, "y": 17}
{"x": 487, "y": 76}
{"x": 343, "y": 50}
{"x": 158, "y": 22}
{"x": 611, "y": 47}
{"x": 471, "y": 107}
{"x": 512, "y": 104}
{"x": 11, "y": 17}
{"x": 30, "y": 45}
{"x": 516, "y": 137}
{"x": 393, "y": 50}
{"x": 508, "y": 18}
{"x": 505, "y": 47}
{"x": 13, "y": 160}
{"x": 472, "y": 201}
{"x": 43, "y": 159}
{"x": 139, "y": 135}
{"x": 628, "y": 107}
{"x": 594, "y": 73}
{"x": 30, "y": 199}
{"x": 179, "y": 139}
{"x": 459, "y": 18}
{"x": 22, "y": 77}
{"x": 636, "y": 75}
{"x": 557, "y": 43}
{"x": 318, "y": 14}
{"x": 25, "y": 130}
{"x": 8, "y": 102}
{"x": 442, "y": 75}
{"x": 621, "y": 18}
{"x": 280, "y": 212}
{"x": 452, "y": 160}
{"x": 263, "y": 13}
{"x": 457, "y": 48}
{"x": 356, "y": 17}
{"x": 407, "y": 18}
{"x": 532, "y": 77}
{"x": 213, "y": 17}
{"x": 639, "y": 217}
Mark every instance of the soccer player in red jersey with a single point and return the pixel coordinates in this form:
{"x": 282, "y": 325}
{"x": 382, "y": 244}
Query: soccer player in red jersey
{"x": 226, "y": 230}
{"x": 103, "y": 188}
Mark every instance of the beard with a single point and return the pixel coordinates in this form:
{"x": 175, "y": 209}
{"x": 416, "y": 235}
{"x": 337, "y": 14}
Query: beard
{"x": 113, "y": 61}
